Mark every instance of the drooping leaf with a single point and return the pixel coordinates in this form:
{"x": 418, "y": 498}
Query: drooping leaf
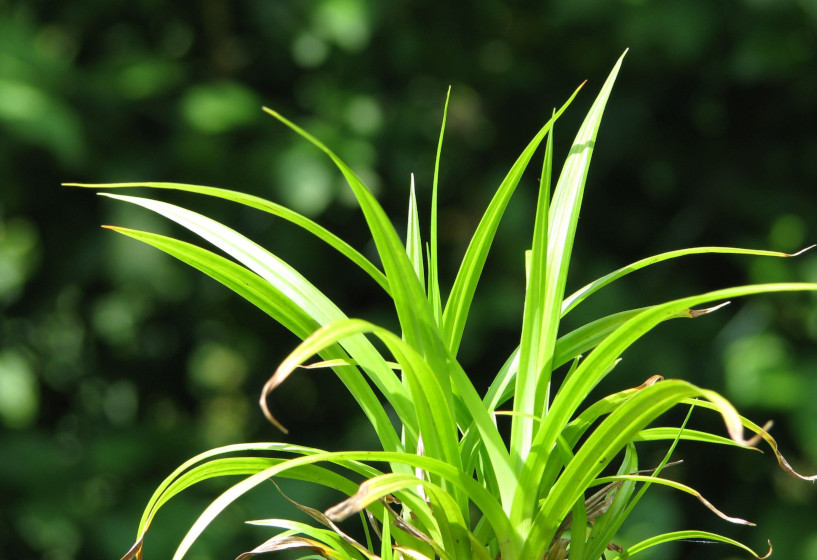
{"x": 265, "y": 206}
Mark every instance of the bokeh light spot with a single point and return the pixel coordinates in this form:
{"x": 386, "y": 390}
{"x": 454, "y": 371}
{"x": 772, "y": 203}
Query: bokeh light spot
{"x": 309, "y": 51}
{"x": 19, "y": 391}
{"x": 364, "y": 115}
{"x": 220, "y": 107}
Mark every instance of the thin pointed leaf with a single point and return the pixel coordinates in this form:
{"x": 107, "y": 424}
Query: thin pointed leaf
{"x": 265, "y": 206}
{"x": 534, "y": 343}
{"x": 411, "y": 304}
{"x": 631, "y": 551}
{"x": 532, "y": 386}
{"x": 585, "y": 292}
{"x": 414, "y": 245}
{"x": 677, "y": 486}
{"x": 462, "y": 292}
{"x": 433, "y": 252}
{"x": 668, "y": 433}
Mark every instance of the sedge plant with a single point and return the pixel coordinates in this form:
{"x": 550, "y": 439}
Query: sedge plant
{"x": 445, "y": 483}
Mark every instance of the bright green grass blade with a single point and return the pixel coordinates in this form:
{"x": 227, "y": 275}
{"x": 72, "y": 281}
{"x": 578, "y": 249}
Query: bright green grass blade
{"x": 578, "y": 531}
{"x": 433, "y": 252}
{"x": 453, "y": 527}
{"x": 568, "y": 347}
{"x": 533, "y": 346}
{"x": 265, "y": 206}
{"x": 181, "y": 480}
{"x": 577, "y": 386}
{"x": 234, "y": 466}
{"x": 605, "y": 442}
{"x": 272, "y": 297}
{"x": 413, "y": 310}
{"x": 414, "y": 245}
{"x": 631, "y": 551}
{"x": 257, "y": 291}
{"x": 465, "y": 283}
{"x": 577, "y": 428}
{"x": 481, "y": 498}
{"x": 162, "y": 489}
{"x": 495, "y": 452}
{"x": 668, "y": 433}
{"x": 532, "y": 386}
{"x": 386, "y": 546}
{"x": 433, "y": 283}
{"x": 582, "y": 294}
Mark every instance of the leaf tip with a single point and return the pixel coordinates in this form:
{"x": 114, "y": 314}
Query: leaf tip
{"x": 268, "y": 414}
{"x": 801, "y": 251}
{"x": 273, "y": 112}
{"x": 698, "y": 312}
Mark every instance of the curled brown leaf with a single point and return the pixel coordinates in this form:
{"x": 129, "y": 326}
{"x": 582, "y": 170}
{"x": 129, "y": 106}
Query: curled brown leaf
{"x": 278, "y": 543}
{"x": 321, "y": 518}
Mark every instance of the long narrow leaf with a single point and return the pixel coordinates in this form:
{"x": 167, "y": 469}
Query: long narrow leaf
{"x": 413, "y": 310}
{"x": 532, "y": 386}
{"x": 259, "y": 203}
{"x": 433, "y": 252}
{"x": 465, "y": 283}
{"x": 585, "y": 292}
{"x": 535, "y": 346}
{"x": 689, "y": 535}
{"x": 414, "y": 244}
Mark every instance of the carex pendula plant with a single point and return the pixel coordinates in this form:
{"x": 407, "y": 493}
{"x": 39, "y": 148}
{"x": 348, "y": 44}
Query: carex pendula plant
{"x": 445, "y": 483}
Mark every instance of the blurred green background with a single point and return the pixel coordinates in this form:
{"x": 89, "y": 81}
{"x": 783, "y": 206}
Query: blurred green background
{"x": 116, "y": 363}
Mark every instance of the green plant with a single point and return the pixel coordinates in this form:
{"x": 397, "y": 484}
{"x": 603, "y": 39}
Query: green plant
{"x": 446, "y": 454}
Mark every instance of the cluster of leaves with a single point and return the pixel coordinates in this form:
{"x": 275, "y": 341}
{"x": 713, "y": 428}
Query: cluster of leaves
{"x": 448, "y": 485}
